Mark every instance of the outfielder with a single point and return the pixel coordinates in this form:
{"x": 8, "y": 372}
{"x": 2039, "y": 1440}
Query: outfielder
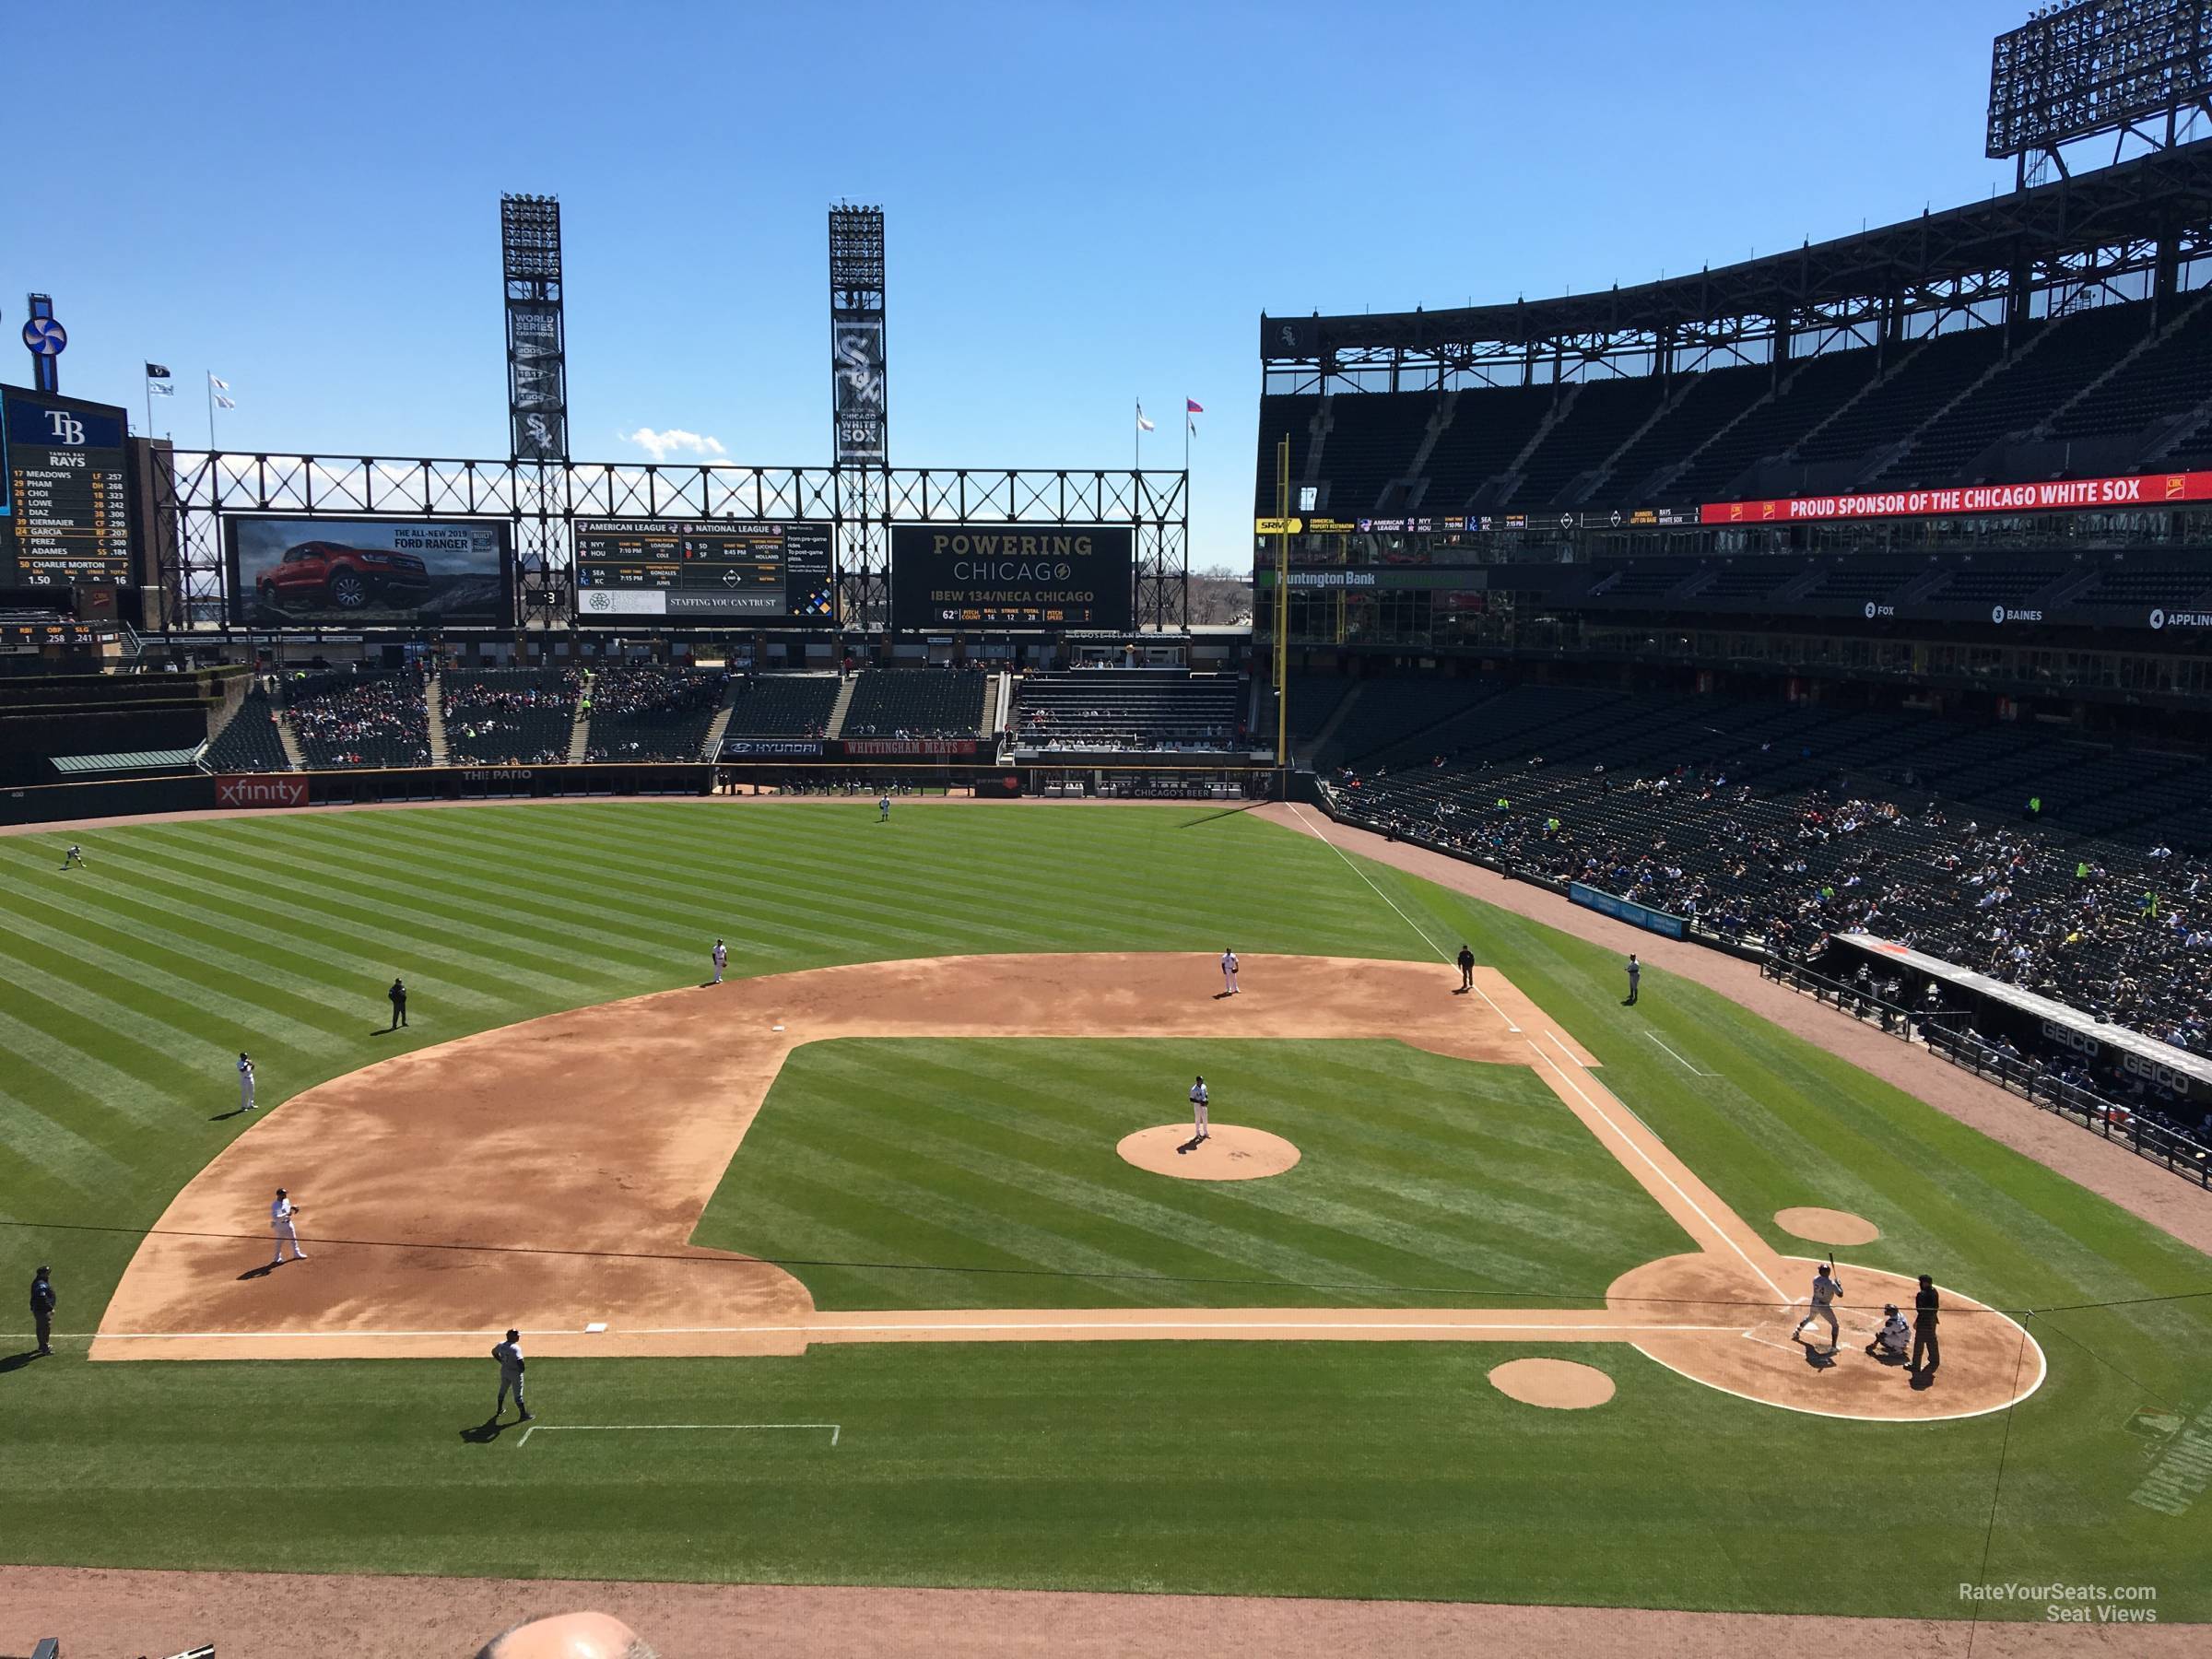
{"x": 75, "y": 855}
{"x": 510, "y": 1356}
{"x": 1229, "y": 973}
{"x": 721, "y": 959}
{"x": 1198, "y": 1099}
{"x": 281, "y": 1213}
{"x": 245, "y": 1081}
{"x": 883, "y": 810}
{"x": 1826, "y": 1288}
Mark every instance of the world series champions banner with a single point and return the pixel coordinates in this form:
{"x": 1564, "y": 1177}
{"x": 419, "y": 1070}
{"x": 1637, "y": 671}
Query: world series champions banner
{"x": 1012, "y": 576}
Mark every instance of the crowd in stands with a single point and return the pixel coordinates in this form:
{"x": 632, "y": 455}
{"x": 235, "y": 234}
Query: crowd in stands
{"x": 650, "y": 714}
{"x": 519, "y": 717}
{"x": 2122, "y": 933}
{"x": 362, "y": 720}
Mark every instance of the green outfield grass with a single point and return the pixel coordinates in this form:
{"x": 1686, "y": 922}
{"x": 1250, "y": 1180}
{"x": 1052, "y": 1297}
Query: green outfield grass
{"x": 984, "y": 1175}
{"x": 1368, "y": 1469}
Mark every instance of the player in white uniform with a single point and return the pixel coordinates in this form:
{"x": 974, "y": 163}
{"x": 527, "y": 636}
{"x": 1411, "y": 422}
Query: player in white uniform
{"x": 883, "y": 810}
{"x": 1889, "y": 1341}
{"x": 510, "y": 1356}
{"x": 1198, "y": 1099}
{"x": 1229, "y": 973}
{"x": 280, "y": 1223}
{"x": 1826, "y": 1288}
{"x": 721, "y": 959}
{"x": 245, "y": 1081}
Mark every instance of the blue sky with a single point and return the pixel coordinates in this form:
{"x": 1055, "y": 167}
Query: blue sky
{"x": 1086, "y": 203}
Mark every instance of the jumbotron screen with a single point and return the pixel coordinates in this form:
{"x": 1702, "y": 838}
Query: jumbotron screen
{"x": 1012, "y": 576}
{"x": 713, "y": 573}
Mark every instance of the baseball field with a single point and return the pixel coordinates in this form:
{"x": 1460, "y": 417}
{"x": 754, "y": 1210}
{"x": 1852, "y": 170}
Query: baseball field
{"x": 889, "y": 1290}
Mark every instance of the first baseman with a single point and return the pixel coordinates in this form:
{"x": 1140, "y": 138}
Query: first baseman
{"x": 245, "y": 1081}
{"x": 280, "y": 1223}
{"x": 1198, "y": 1109}
{"x": 510, "y": 1356}
{"x": 1826, "y": 1288}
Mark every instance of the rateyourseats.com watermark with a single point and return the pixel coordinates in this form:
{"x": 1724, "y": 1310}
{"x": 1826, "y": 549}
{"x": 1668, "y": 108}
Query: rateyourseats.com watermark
{"x": 2073, "y": 1603}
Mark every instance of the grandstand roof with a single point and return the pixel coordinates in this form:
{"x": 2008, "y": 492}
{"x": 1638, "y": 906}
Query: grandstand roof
{"x": 2165, "y": 193}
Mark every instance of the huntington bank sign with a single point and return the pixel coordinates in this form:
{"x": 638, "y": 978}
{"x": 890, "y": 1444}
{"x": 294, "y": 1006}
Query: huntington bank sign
{"x": 2150, "y": 489}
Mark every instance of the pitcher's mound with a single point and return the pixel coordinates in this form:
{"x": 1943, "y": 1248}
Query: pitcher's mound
{"x": 1559, "y": 1383}
{"x": 1231, "y": 1153}
{"x": 1827, "y": 1226}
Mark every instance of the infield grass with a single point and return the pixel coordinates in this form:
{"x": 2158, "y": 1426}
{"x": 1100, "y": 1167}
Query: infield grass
{"x": 1356, "y": 1468}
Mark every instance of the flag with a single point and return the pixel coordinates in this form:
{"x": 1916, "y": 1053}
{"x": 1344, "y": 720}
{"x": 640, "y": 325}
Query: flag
{"x": 223, "y": 402}
{"x": 155, "y": 372}
{"x": 1142, "y": 424}
{"x": 221, "y": 385}
{"x": 1191, "y": 405}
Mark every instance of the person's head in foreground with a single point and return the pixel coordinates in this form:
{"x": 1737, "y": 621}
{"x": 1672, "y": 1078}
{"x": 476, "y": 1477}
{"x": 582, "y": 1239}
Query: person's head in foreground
{"x": 569, "y": 1636}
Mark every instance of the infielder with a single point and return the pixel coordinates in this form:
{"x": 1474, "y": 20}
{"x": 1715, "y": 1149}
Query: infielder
{"x": 1826, "y": 1288}
{"x": 1198, "y": 1109}
{"x": 245, "y": 1081}
{"x": 510, "y": 1356}
{"x": 1229, "y": 973}
{"x": 281, "y": 1215}
{"x": 721, "y": 959}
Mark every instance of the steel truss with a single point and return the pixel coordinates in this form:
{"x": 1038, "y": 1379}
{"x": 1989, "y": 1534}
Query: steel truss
{"x": 2136, "y": 230}
{"x": 204, "y": 485}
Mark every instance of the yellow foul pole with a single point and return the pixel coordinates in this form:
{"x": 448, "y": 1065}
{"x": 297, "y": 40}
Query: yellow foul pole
{"x": 1282, "y": 612}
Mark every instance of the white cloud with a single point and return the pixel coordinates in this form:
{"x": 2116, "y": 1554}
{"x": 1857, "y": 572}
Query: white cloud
{"x": 674, "y": 440}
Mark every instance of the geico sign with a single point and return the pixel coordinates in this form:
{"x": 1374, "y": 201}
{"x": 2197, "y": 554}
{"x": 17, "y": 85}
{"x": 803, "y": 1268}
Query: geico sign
{"x": 248, "y": 789}
{"x": 2079, "y": 1041}
{"x": 2160, "y": 1073}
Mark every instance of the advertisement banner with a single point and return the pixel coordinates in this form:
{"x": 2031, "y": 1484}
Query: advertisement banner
{"x": 1626, "y": 910}
{"x": 771, "y": 748}
{"x": 260, "y": 789}
{"x": 1012, "y": 576}
{"x": 2153, "y": 489}
{"x": 884, "y": 749}
{"x": 308, "y": 572}
{"x": 859, "y": 383}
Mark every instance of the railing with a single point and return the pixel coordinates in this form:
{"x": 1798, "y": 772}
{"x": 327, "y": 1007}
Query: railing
{"x": 2118, "y": 1124}
{"x": 1971, "y": 1051}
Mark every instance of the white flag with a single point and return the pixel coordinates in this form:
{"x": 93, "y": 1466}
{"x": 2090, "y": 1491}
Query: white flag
{"x": 221, "y": 385}
{"x": 1142, "y": 424}
{"x": 160, "y": 388}
{"x": 223, "y": 402}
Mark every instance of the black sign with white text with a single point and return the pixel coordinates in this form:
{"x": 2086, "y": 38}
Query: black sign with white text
{"x": 1012, "y": 576}
{"x": 63, "y": 491}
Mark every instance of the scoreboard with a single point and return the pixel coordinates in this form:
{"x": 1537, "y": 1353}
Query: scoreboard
{"x": 64, "y": 494}
{"x": 713, "y": 572}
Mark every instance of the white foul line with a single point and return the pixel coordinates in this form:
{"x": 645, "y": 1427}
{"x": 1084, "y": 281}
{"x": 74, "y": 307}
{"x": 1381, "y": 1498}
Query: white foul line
{"x": 1693, "y": 1070}
{"x": 1719, "y": 1231}
{"x": 623, "y": 1428}
{"x": 1332, "y": 846}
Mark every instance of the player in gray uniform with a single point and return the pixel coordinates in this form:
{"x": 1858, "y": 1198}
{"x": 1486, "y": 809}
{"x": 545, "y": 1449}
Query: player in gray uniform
{"x": 245, "y": 1081}
{"x": 1826, "y": 1288}
{"x": 75, "y": 855}
{"x": 721, "y": 959}
{"x": 510, "y": 1356}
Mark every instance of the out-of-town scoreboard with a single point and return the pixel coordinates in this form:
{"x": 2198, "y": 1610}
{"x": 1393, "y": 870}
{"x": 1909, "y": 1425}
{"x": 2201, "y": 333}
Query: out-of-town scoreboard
{"x": 713, "y": 573}
{"x": 65, "y": 493}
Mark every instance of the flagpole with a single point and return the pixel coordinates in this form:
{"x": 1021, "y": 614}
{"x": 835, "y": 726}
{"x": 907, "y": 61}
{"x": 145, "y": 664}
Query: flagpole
{"x": 150, "y": 407}
{"x": 210, "y": 374}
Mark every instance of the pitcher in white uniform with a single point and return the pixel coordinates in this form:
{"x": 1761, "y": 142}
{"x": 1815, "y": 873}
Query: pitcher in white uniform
{"x": 245, "y": 1081}
{"x": 1198, "y": 1108}
{"x": 1228, "y": 973}
{"x": 281, "y": 1213}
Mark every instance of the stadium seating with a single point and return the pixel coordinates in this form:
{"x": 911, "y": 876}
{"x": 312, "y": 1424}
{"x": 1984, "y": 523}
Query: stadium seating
{"x": 519, "y": 716}
{"x": 916, "y": 702}
{"x": 652, "y": 714}
{"x": 783, "y": 705}
{"x": 1101, "y": 710}
{"x": 249, "y": 742}
{"x": 360, "y": 720}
